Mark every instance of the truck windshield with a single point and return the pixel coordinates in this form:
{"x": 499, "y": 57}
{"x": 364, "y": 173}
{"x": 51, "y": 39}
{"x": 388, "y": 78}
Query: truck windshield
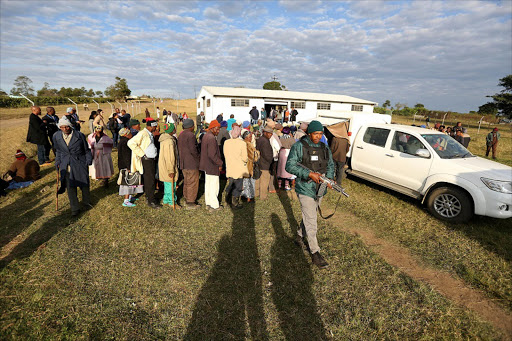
{"x": 446, "y": 147}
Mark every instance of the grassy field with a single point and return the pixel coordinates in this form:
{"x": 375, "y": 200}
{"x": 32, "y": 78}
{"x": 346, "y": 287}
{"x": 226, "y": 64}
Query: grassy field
{"x": 116, "y": 273}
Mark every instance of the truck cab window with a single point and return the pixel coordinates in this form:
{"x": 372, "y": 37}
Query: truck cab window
{"x": 406, "y": 143}
{"x": 376, "y": 136}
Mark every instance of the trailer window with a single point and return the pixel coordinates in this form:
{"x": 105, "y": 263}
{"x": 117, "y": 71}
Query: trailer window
{"x": 298, "y": 105}
{"x": 357, "y": 107}
{"x": 235, "y": 102}
{"x": 376, "y": 136}
{"x": 208, "y": 102}
{"x": 323, "y": 106}
{"x": 198, "y": 105}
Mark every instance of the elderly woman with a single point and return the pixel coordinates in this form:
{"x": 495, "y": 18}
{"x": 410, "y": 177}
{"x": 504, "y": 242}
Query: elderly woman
{"x": 287, "y": 142}
{"x": 253, "y": 155}
{"x": 124, "y": 159}
{"x": 101, "y": 147}
{"x": 235, "y": 152}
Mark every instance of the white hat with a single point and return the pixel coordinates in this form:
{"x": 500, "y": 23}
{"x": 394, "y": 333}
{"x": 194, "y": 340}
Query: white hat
{"x": 64, "y": 122}
{"x": 69, "y": 110}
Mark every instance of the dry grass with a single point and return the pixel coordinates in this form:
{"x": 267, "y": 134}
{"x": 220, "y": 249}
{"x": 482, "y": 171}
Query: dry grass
{"x": 117, "y": 273}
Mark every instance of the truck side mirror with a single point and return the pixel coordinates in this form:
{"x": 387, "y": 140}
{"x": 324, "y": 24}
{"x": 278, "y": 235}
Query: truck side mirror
{"x": 424, "y": 153}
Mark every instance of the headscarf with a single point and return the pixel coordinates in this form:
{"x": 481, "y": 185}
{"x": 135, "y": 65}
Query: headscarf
{"x": 169, "y": 128}
{"x": 63, "y": 121}
{"x": 235, "y": 132}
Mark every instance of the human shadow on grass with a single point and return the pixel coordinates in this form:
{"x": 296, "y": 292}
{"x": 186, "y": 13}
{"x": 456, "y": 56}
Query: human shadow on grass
{"x": 292, "y": 294}
{"x": 232, "y": 296}
{"x": 47, "y": 230}
{"x": 23, "y": 210}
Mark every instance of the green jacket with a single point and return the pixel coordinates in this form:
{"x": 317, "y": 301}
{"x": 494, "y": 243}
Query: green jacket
{"x": 303, "y": 185}
{"x": 488, "y": 139}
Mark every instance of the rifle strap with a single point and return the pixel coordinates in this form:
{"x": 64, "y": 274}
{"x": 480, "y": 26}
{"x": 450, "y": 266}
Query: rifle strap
{"x": 330, "y": 215}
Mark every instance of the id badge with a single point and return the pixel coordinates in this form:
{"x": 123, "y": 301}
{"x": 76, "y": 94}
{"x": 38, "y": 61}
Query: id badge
{"x": 314, "y": 157}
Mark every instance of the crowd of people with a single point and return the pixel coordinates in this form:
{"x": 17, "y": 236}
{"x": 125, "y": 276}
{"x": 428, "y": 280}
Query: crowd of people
{"x": 258, "y": 156}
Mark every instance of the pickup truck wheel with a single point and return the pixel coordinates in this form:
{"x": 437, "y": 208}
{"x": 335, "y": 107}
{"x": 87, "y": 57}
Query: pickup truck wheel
{"x": 450, "y": 204}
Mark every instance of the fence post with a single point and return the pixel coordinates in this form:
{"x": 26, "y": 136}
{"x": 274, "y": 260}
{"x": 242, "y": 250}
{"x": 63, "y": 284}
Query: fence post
{"x": 479, "y": 123}
{"x": 444, "y": 118}
{"x": 27, "y": 98}
{"x": 96, "y": 103}
{"x": 76, "y": 105}
{"x": 111, "y": 106}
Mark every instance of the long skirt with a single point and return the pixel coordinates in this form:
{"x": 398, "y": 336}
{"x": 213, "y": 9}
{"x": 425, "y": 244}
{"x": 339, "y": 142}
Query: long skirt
{"x": 102, "y": 166}
{"x": 130, "y": 190}
{"x": 249, "y": 186}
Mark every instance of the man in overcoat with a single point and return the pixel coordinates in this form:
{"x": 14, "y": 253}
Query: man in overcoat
{"x": 72, "y": 159}
{"x": 211, "y": 164}
{"x": 189, "y": 163}
{"x": 37, "y": 135}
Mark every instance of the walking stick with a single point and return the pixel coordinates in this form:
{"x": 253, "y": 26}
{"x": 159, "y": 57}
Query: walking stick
{"x": 57, "y": 192}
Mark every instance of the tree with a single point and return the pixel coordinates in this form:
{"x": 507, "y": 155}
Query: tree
{"x": 488, "y": 108}
{"x": 274, "y": 85}
{"x": 3, "y": 93}
{"x": 90, "y": 93}
{"x": 399, "y": 105}
{"x": 22, "y": 86}
{"x": 99, "y": 93}
{"x": 386, "y": 104}
{"x": 503, "y": 99}
{"x": 119, "y": 90}
{"x": 46, "y": 91}
{"x": 419, "y": 105}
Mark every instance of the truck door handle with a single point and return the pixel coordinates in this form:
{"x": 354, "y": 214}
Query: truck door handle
{"x": 359, "y": 147}
{"x": 390, "y": 155}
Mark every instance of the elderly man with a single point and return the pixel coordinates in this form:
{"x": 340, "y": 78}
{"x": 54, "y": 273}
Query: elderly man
{"x": 168, "y": 164}
{"x": 266, "y": 159}
{"x": 211, "y": 165}
{"x": 189, "y": 163}
{"x": 37, "y": 135}
{"x": 145, "y": 152}
{"x": 316, "y": 156}
{"x": 73, "y": 158}
{"x": 199, "y": 122}
{"x": 134, "y": 126}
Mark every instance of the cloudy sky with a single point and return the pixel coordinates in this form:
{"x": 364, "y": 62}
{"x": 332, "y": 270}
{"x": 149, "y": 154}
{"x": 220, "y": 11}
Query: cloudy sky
{"x": 445, "y": 54}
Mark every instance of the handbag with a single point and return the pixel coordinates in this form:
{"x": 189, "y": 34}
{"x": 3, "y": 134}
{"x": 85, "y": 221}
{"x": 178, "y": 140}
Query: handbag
{"x": 256, "y": 170}
{"x": 129, "y": 179}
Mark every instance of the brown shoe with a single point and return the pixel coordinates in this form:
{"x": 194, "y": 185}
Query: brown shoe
{"x": 318, "y": 260}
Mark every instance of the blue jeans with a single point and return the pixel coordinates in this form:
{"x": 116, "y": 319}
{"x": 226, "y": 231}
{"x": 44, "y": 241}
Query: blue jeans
{"x": 41, "y": 154}
{"x": 115, "y": 137}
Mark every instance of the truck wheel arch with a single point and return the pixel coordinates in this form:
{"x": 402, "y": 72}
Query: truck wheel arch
{"x": 448, "y": 184}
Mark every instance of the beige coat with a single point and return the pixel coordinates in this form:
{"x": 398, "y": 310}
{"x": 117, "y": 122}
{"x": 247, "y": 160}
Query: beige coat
{"x": 168, "y": 158}
{"x": 235, "y": 152}
{"x": 99, "y": 121}
{"x": 138, "y": 145}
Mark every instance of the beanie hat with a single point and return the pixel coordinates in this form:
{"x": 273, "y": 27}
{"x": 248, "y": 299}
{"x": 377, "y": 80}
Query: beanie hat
{"x": 245, "y": 134}
{"x": 213, "y": 124}
{"x": 286, "y": 130}
{"x": 271, "y": 124}
{"x": 293, "y": 129}
{"x": 150, "y": 122}
{"x": 224, "y": 124}
{"x": 124, "y": 132}
{"x": 134, "y": 122}
{"x": 188, "y": 123}
{"x": 303, "y": 126}
{"x": 19, "y": 154}
{"x": 245, "y": 124}
{"x": 169, "y": 128}
{"x": 69, "y": 110}
{"x": 267, "y": 129}
{"x": 64, "y": 122}
{"x": 315, "y": 126}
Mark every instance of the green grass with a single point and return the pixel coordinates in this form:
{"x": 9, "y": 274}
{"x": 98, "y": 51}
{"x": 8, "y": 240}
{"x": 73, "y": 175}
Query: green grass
{"x": 118, "y": 273}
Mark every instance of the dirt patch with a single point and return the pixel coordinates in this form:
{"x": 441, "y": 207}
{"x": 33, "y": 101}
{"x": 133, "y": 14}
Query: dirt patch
{"x": 450, "y": 287}
{"x": 13, "y": 123}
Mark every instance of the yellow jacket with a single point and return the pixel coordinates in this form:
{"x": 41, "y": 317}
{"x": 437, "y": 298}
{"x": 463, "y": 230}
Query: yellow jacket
{"x": 138, "y": 145}
{"x": 168, "y": 158}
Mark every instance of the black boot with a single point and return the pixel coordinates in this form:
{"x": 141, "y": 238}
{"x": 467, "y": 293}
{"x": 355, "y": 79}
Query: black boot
{"x": 318, "y": 260}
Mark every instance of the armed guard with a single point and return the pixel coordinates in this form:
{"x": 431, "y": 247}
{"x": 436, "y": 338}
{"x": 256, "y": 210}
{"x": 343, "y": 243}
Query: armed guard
{"x": 316, "y": 156}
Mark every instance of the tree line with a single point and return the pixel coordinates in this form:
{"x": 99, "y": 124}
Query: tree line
{"x": 23, "y": 85}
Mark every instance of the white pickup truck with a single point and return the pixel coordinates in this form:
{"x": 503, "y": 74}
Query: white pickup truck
{"x": 432, "y": 167}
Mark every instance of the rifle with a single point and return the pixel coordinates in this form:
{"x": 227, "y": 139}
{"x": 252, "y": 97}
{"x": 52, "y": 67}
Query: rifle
{"x": 325, "y": 182}
{"x": 322, "y": 188}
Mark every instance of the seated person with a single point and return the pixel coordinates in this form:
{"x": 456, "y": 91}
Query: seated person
{"x": 23, "y": 169}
